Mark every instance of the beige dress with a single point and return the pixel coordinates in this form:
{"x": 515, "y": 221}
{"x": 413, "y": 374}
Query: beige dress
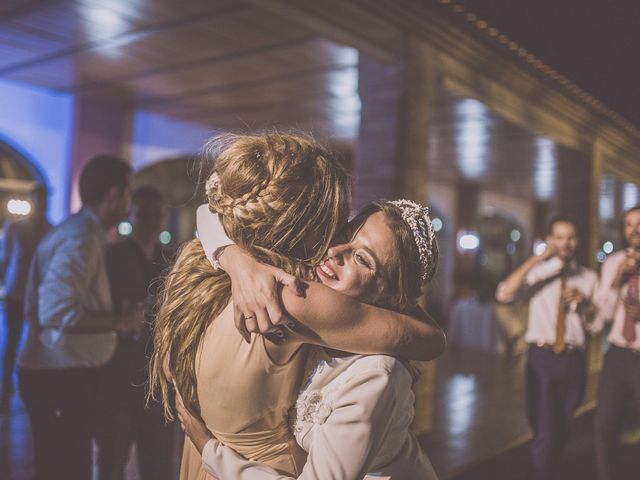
{"x": 244, "y": 399}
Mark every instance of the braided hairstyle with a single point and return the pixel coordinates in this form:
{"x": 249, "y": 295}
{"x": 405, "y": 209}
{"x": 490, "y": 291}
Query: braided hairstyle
{"x": 280, "y": 197}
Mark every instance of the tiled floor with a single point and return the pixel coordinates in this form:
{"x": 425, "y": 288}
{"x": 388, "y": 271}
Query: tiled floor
{"x": 16, "y": 455}
{"x": 15, "y": 443}
{"x": 479, "y": 432}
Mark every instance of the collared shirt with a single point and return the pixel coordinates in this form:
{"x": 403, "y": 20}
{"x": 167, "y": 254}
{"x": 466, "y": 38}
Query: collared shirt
{"x": 67, "y": 279}
{"x": 20, "y": 241}
{"x": 610, "y": 302}
{"x": 543, "y": 286}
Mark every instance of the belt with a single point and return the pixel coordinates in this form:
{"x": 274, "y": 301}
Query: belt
{"x": 568, "y": 347}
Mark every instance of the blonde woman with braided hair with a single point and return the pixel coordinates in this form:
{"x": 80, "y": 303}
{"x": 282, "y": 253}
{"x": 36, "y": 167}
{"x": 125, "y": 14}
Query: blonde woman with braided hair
{"x": 281, "y": 198}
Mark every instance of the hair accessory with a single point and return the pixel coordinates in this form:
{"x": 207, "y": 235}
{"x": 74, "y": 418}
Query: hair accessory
{"x": 212, "y": 186}
{"x": 417, "y": 217}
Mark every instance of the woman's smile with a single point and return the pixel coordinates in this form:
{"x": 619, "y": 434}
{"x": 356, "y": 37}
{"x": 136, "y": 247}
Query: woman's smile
{"x": 324, "y": 270}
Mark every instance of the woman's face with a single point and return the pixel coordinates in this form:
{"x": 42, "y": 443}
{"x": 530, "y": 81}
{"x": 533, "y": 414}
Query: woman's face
{"x": 354, "y": 267}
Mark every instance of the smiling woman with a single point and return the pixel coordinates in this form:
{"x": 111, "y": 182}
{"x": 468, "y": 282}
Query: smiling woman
{"x": 353, "y": 267}
{"x": 282, "y": 198}
{"x": 354, "y": 412}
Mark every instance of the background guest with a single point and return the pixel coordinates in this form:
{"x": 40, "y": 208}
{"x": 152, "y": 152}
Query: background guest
{"x": 134, "y": 266}
{"x": 559, "y": 292}
{"x": 619, "y": 302}
{"x": 71, "y": 325}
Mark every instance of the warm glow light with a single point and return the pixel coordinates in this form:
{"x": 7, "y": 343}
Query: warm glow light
{"x": 607, "y": 197}
{"x": 461, "y": 387}
{"x": 437, "y": 224}
{"x": 19, "y": 207}
{"x": 472, "y": 136}
{"x": 165, "y": 238}
{"x": 629, "y": 196}
{"x": 104, "y": 23}
{"x": 545, "y": 169}
{"x": 125, "y": 229}
{"x": 539, "y": 247}
{"x": 468, "y": 241}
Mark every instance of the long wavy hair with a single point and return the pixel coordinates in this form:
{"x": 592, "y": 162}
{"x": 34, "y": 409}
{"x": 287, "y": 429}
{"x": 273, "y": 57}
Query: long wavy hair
{"x": 399, "y": 287}
{"x": 280, "y": 197}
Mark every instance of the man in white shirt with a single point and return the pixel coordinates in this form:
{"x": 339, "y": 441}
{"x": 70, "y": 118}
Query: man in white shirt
{"x": 618, "y": 302}
{"x": 71, "y": 328}
{"x": 559, "y": 293}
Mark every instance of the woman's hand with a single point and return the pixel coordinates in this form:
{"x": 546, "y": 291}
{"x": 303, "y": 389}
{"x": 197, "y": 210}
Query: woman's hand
{"x": 254, "y": 288}
{"x": 193, "y": 427}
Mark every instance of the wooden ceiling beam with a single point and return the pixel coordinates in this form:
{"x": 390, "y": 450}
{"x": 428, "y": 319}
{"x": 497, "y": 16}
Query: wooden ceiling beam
{"x": 12, "y": 9}
{"x": 238, "y": 86}
{"x": 124, "y": 38}
{"x": 208, "y": 61}
{"x": 342, "y": 22}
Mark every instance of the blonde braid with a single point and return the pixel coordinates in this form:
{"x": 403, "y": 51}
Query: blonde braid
{"x": 280, "y": 197}
{"x": 246, "y": 208}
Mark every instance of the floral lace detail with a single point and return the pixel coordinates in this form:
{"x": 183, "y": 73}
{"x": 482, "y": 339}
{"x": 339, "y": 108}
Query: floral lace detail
{"x": 313, "y": 406}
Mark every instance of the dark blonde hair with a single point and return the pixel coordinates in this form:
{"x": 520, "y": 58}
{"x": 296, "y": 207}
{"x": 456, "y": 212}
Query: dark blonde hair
{"x": 280, "y": 197}
{"x": 399, "y": 287}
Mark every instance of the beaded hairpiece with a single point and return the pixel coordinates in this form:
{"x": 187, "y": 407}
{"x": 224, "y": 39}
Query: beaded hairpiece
{"x": 417, "y": 217}
{"x": 213, "y": 185}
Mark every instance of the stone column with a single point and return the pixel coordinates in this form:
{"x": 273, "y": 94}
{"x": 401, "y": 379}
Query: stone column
{"x": 391, "y": 158}
{"x": 540, "y": 220}
{"x": 573, "y": 200}
{"x": 100, "y": 125}
{"x": 594, "y": 352}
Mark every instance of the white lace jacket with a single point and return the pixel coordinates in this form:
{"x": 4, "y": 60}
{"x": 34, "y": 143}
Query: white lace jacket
{"x": 353, "y": 418}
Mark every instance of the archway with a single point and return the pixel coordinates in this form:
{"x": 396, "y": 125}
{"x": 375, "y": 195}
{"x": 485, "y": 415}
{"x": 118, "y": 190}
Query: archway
{"x": 18, "y": 177}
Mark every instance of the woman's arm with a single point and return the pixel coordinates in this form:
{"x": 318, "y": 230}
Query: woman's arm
{"x": 324, "y": 317}
{"x": 331, "y": 319}
{"x": 257, "y": 294}
{"x": 328, "y": 318}
{"x": 346, "y": 446}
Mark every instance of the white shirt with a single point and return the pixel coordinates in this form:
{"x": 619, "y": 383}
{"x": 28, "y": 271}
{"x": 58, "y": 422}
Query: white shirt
{"x": 610, "y": 302}
{"x": 545, "y": 298}
{"x": 352, "y": 418}
{"x": 67, "y": 278}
